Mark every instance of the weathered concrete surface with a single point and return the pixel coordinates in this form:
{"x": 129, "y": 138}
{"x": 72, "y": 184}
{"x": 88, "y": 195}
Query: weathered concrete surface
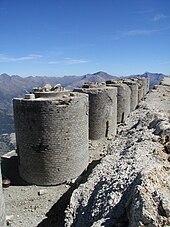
{"x": 102, "y": 111}
{"x": 144, "y": 83}
{"x": 52, "y": 138}
{"x": 134, "y": 93}
{"x": 123, "y": 100}
{"x": 140, "y": 83}
{"x": 131, "y": 186}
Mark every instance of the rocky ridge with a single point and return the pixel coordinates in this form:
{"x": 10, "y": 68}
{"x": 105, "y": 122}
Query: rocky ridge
{"x": 131, "y": 185}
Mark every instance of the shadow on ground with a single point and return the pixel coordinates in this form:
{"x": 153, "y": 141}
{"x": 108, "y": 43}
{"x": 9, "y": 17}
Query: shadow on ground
{"x": 10, "y": 171}
{"x": 55, "y": 216}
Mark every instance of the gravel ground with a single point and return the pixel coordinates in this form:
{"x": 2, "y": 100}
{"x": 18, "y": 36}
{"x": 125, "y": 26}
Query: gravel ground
{"x": 111, "y": 189}
{"x": 28, "y": 205}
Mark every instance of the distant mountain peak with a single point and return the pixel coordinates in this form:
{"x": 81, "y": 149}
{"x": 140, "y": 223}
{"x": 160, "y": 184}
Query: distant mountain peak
{"x": 100, "y": 72}
{"x": 154, "y": 78}
{"x": 151, "y": 74}
{"x": 4, "y": 75}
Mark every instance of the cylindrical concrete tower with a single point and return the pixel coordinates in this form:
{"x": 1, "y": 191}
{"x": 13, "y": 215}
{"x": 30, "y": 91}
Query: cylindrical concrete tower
{"x": 140, "y": 93}
{"x": 52, "y": 137}
{"x": 102, "y": 111}
{"x": 2, "y": 206}
{"x": 134, "y": 93}
{"x": 148, "y": 83}
{"x": 140, "y": 88}
{"x": 123, "y": 99}
{"x": 144, "y": 83}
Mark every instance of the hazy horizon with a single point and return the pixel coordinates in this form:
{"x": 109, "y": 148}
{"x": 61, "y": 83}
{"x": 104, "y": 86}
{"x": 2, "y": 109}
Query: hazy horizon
{"x": 82, "y": 75}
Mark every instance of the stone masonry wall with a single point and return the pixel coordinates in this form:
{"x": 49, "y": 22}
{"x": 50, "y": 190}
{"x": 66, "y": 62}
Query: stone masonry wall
{"x": 52, "y": 138}
{"x": 102, "y": 111}
{"x": 134, "y": 94}
{"x": 144, "y": 83}
{"x": 123, "y": 100}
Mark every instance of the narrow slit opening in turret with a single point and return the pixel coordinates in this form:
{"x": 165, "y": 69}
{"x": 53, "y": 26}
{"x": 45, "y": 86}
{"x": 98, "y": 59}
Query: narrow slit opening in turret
{"x": 123, "y": 118}
{"x": 107, "y": 128}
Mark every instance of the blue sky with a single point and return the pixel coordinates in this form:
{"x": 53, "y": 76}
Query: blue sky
{"x": 75, "y": 37}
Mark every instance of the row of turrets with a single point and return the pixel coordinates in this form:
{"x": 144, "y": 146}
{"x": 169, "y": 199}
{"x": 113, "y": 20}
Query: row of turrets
{"x": 53, "y": 126}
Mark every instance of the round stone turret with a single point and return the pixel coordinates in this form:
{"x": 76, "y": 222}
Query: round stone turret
{"x": 143, "y": 81}
{"x": 147, "y": 84}
{"x": 134, "y": 93}
{"x": 102, "y": 111}
{"x": 140, "y": 88}
{"x": 52, "y": 137}
{"x": 123, "y": 99}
